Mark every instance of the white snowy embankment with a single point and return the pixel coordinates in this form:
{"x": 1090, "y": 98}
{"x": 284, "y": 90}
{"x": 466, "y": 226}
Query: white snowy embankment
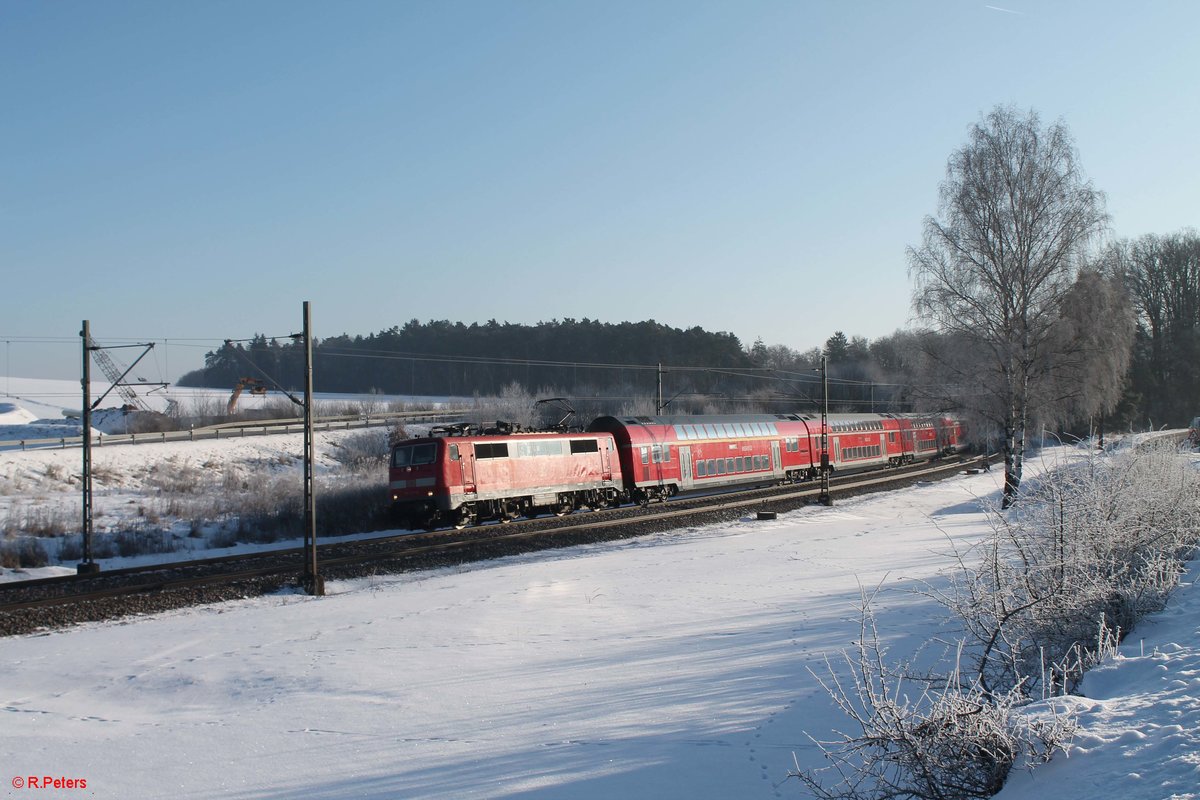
{"x": 672, "y": 666}
{"x": 1139, "y": 716}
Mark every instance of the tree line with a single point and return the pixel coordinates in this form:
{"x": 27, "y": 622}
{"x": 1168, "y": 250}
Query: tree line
{"x": 701, "y": 371}
{"x": 445, "y": 358}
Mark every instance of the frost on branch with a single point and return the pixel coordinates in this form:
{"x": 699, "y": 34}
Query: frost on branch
{"x": 921, "y": 737}
{"x": 1088, "y": 551}
{"x": 1092, "y": 548}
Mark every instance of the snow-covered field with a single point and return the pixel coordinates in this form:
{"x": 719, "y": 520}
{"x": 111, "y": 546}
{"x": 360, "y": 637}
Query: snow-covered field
{"x": 673, "y": 666}
{"x": 179, "y": 492}
{"x": 144, "y": 486}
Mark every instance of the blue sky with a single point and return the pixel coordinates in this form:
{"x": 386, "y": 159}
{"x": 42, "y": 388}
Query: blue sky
{"x": 188, "y": 172}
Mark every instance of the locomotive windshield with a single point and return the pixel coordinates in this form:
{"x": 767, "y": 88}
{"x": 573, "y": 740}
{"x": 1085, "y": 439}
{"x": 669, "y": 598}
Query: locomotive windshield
{"x": 414, "y": 455}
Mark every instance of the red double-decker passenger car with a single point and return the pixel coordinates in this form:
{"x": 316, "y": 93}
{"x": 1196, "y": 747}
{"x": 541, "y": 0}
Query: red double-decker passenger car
{"x": 662, "y": 456}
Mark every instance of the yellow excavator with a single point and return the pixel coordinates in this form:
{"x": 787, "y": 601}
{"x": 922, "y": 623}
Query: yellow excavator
{"x": 252, "y": 385}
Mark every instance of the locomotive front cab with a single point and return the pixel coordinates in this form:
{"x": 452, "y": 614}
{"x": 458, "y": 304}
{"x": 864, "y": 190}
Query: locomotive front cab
{"x": 414, "y": 477}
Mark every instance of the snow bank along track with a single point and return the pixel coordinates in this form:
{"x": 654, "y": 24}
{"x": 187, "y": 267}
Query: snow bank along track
{"x": 27, "y": 606}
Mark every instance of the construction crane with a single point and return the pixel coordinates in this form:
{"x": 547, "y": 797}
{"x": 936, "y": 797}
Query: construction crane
{"x": 253, "y": 385}
{"x": 117, "y": 378}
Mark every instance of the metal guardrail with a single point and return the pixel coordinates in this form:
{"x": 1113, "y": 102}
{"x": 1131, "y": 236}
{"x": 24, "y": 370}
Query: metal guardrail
{"x": 234, "y": 430}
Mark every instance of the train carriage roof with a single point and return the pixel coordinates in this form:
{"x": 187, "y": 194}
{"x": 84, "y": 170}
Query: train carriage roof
{"x": 628, "y": 424}
{"x": 608, "y": 422}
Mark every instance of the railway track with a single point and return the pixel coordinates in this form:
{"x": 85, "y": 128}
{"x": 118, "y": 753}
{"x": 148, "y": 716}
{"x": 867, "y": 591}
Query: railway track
{"x": 41, "y": 604}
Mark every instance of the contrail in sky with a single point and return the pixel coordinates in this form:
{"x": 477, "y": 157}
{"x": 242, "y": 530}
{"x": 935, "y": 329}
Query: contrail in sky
{"x": 1005, "y": 10}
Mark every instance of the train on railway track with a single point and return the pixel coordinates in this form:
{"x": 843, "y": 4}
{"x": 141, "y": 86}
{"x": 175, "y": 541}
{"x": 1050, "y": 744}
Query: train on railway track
{"x": 461, "y": 476}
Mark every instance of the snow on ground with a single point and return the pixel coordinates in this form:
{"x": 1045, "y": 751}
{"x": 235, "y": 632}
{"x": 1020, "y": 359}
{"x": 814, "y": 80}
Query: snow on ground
{"x": 17, "y": 421}
{"x": 141, "y": 487}
{"x": 672, "y": 666}
{"x": 669, "y": 666}
{"x": 1139, "y": 715}
{"x": 13, "y": 414}
{"x": 138, "y": 485}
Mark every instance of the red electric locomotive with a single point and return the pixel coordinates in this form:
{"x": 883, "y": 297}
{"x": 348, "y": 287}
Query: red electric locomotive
{"x": 463, "y": 479}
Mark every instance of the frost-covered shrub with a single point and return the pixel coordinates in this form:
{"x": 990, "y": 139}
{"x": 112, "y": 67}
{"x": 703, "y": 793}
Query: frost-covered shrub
{"x": 366, "y": 449}
{"x": 174, "y": 476}
{"x": 397, "y": 432}
{"x": 514, "y": 405}
{"x": 1093, "y": 546}
{"x": 23, "y": 551}
{"x": 104, "y": 473}
{"x": 361, "y": 506}
{"x": 340, "y": 509}
{"x": 923, "y": 738}
{"x": 70, "y": 548}
{"x": 223, "y": 537}
{"x": 57, "y": 473}
{"x": 39, "y": 521}
{"x": 142, "y": 542}
{"x": 1088, "y": 551}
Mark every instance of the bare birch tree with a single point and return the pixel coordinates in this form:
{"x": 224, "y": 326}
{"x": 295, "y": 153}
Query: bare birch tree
{"x": 1015, "y": 216}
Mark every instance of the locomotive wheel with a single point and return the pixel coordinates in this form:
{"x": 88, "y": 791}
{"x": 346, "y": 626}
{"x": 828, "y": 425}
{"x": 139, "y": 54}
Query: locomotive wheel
{"x": 564, "y": 508}
{"x": 464, "y": 519}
